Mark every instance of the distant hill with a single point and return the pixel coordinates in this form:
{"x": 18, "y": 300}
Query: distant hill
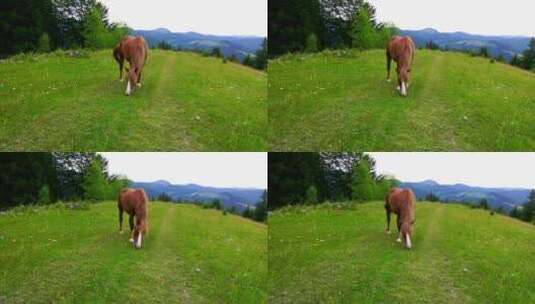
{"x": 239, "y": 198}
{"x": 240, "y": 46}
{"x": 508, "y": 198}
{"x": 505, "y": 45}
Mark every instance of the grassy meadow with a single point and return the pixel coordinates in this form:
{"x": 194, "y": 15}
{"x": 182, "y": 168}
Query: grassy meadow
{"x": 190, "y": 255}
{"x": 188, "y": 102}
{"x": 340, "y": 101}
{"x": 326, "y": 254}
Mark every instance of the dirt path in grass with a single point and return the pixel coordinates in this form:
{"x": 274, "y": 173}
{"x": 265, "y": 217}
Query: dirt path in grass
{"x": 430, "y": 266}
{"x": 160, "y": 110}
{"x": 435, "y": 115}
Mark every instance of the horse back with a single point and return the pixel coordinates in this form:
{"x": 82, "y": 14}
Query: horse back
{"x": 399, "y": 199}
{"x": 133, "y": 201}
{"x": 401, "y": 49}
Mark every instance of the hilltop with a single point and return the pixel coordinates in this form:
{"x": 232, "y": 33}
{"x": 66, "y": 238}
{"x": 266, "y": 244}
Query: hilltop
{"x": 340, "y": 253}
{"x": 340, "y": 101}
{"x": 57, "y": 102}
{"x": 191, "y": 255}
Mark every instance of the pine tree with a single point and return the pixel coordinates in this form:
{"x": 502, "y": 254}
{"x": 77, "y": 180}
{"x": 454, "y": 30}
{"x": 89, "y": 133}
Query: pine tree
{"x": 528, "y": 212}
{"x": 528, "y": 61}
{"x": 362, "y": 182}
{"x": 362, "y": 31}
{"x": 95, "y": 184}
{"x": 43, "y": 45}
{"x": 248, "y": 61}
{"x": 216, "y": 52}
{"x": 247, "y": 213}
{"x": 44, "y": 195}
{"x": 311, "y": 45}
{"x": 95, "y": 33}
{"x": 261, "y": 59}
{"x": 216, "y": 204}
{"x": 311, "y": 196}
{"x": 260, "y": 212}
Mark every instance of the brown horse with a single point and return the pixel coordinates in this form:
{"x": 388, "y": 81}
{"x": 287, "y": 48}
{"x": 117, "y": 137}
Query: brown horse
{"x": 134, "y": 202}
{"x": 401, "y": 202}
{"x": 402, "y": 50}
{"x": 135, "y": 51}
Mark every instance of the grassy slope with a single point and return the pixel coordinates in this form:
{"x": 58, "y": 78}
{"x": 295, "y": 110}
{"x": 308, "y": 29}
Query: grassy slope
{"x": 191, "y": 255}
{"x": 343, "y": 256}
{"x": 188, "y": 102}
{"x": 457, "y": 103}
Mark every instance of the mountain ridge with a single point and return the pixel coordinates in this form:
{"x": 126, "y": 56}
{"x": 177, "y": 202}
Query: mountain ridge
{"x": 505, "y": 197}
{"x": 238, "y": 197}
{"x": 506, "y": 45}
{"x": 230, "y": 45}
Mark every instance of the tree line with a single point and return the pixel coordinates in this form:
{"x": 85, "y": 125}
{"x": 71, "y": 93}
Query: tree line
{"x": 525, "y": 212}
{"x": 313, "y": 25}
{"x": 525, "y": 61}
{"x": 257, "y": 61}
{"x": 45, "y": 25}
{"x": 44, "y": 178}
{"x": 312, "y": 178}
{"x": 259, "y": 213}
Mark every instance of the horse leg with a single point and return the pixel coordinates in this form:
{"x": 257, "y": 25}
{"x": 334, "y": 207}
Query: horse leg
{"x": 120, "y": 220}
{"x": 387, "y": 220}
{"x": 139, "y": 79}
{"x": 388, "y": 63}
{"x": 399, "y": 230}
{"x": 131, "y": 222}
{"x": 121, "y": 63}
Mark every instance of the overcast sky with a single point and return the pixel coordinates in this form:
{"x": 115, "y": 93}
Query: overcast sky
{"x": 229, "y": 17}
{"x": 488, "y": 17}
{"x": 207, "y": 169}
{"x": 475, "y": 169}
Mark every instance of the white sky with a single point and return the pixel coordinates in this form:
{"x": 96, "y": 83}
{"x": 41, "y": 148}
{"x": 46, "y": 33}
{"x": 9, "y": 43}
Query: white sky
{"x": 487, "y": 17}
{"x": 474, "y": 169}
{"x": 229, "y": 17}
{"x": 242, "y": 170}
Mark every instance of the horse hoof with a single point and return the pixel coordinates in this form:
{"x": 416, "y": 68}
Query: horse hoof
{"x": 131, "y": 240}
{"x": 388, "y": 232}
{"x": 388, "y": 80}
{"x": 398, "y": 240}
{"x": 139, "y": 85}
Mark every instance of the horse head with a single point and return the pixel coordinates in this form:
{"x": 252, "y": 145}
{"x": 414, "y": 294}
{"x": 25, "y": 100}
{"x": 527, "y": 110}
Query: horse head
{"x": 406, "y": 233}
{"x": 132, "y": 79}
{"x": 140, "y": 230}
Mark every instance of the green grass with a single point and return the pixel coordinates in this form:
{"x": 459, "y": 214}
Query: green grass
{"x": 340, "y": 101}
{"x": 459, "y": 255}
{"x": 191, "y": 255}
{"x": 187, "y": 103}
